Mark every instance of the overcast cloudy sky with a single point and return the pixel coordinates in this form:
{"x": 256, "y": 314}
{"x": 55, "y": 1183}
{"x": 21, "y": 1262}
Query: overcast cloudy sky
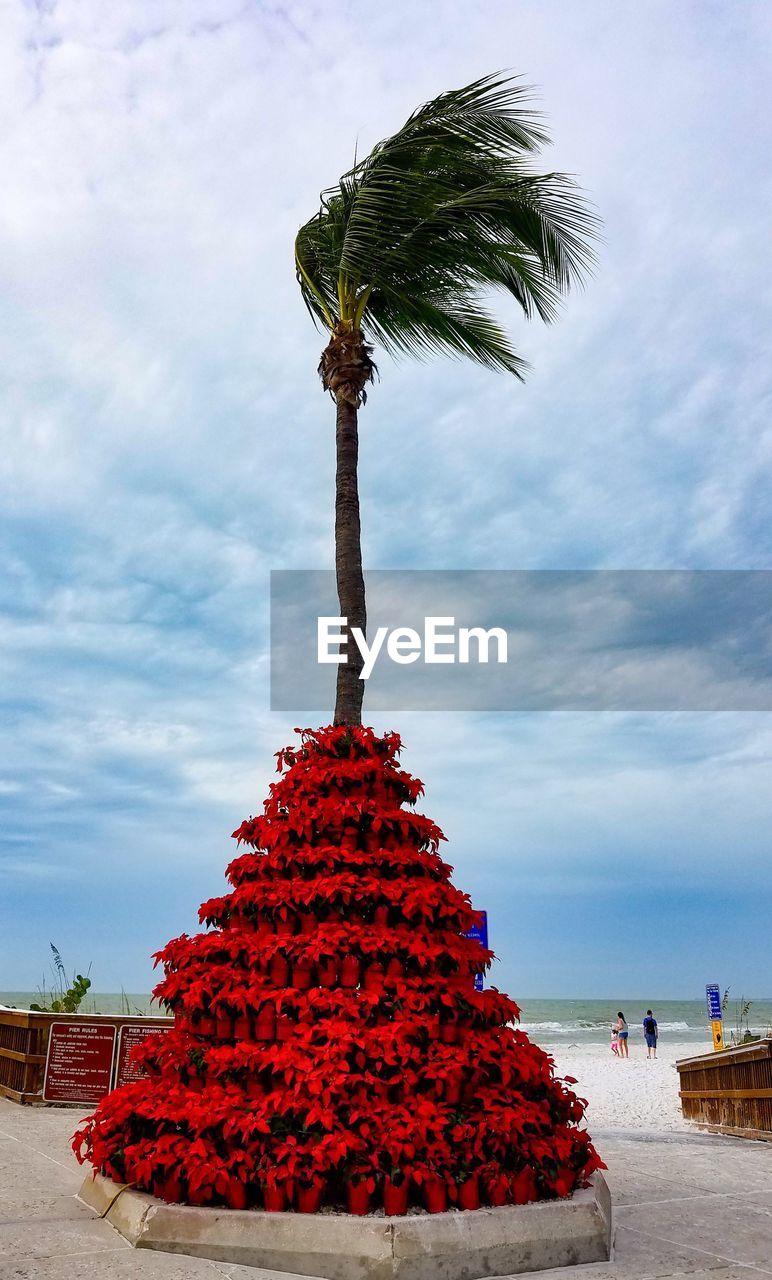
{"x": 166, "y": 445}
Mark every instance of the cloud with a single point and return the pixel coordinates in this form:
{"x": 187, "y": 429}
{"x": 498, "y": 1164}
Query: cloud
{"x": 166, "y": 443}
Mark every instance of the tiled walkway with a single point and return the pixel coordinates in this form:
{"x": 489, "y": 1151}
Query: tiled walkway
{"x": 683, "y": 1203}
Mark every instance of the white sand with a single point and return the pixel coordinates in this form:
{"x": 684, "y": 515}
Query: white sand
{"x": 632, "y": 1093}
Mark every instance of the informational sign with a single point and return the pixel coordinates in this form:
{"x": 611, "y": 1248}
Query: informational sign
{"x": 129, "y": 1036}
{"x": 479, "y": 932}
{"x": 715, "y": 1013}
{"x": 713, "y": 996}
{"x": 79, "y": 1061}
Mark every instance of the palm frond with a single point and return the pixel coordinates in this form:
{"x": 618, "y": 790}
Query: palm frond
{"x": 415, "y": 235}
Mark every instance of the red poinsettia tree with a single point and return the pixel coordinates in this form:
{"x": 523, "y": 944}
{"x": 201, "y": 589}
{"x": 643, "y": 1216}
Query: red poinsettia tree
{"x": 328, "y": 1042}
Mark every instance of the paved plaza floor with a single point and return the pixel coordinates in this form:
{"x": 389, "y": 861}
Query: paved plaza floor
{"x": 684, "y": 1203}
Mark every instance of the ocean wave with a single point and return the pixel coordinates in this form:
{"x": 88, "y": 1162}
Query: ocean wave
{"x": 571, "y": 1028}
{"x": 545, "y": 1026}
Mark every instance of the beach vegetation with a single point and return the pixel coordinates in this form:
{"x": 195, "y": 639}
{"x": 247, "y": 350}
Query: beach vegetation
{"x": 65, "y": 995}
{"x": 742, "y": 1032}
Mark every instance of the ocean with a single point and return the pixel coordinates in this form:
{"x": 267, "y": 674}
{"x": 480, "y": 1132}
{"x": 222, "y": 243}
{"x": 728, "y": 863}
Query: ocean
{"x": 559, "y": 1023}
{"x": 567, "y": 1022}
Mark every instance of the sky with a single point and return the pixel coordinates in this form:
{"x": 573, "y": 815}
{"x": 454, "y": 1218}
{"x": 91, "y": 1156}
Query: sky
{"x": 166, "y": 445}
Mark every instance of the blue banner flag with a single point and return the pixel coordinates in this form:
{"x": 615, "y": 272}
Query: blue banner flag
{"x": 479, "y": 932}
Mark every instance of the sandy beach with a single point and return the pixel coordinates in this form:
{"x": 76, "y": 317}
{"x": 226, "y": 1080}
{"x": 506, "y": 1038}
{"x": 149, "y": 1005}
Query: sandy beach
{"x": 632, "y": 1093}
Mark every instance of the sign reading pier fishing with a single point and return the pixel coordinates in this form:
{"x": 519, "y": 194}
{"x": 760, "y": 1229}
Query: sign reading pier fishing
{"x": 606, "y": 640}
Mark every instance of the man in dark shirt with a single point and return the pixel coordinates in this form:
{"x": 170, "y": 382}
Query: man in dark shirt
{"x": 650, "y": 1032}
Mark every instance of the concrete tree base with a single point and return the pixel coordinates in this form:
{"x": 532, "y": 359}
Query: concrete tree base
{"x": 442, "y": 1246}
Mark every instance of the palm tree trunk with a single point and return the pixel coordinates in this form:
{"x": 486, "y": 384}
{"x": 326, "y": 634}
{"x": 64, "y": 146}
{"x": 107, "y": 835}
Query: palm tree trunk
{"x": 348, "y": 561}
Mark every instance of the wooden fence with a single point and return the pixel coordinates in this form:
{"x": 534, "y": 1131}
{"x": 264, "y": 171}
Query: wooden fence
{"x": 24, "y": 1041}
{"x": 730, "y": 1091}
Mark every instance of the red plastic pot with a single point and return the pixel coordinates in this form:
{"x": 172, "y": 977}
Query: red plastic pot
{"x": 224, "y": 1026}
{"x": 195, "y": 1084}
{"x": 327, "y": 973}
{"x": 302, "y": 975}
{"x": 206, "y": 1025}
{"x": 453, "y": 1088}
{"x": 285, "y": 1028}
{"x": 169, "y": 1189}
{"x": 309, "y": 1199}
{"x": 242, "y": 1027}
{"x": 395, "y": 968}
{"x": 358, "y": 1198}
{"x": 524, "y": 1186}
{"x": 448, "y": 1032}
{"x": 278, "y": 970}
{"x": 349, "y": 840}
{"x": 307, "y": 922}
{"x": 381, "y": 914}
{"x": 469, "y": 1091}
{"x": 469, "y": 1193}
{"x": 395, "y": 1198}
{"x": 349, "y": 972}
{"x": 372, "y": 841}
{"x": 497, "y": 1191}
{"x": 435, "y": 1195}
{"x": 275, "y": 1199}
{"x": 285, "y": 928}
{"x": 203, "y": 1195}
{"x": 372, "y": 978}
{"x": 236, "y": 1194}
{"x": 265, "y": 1024}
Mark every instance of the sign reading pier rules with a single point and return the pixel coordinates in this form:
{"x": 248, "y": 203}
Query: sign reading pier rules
{"x": 79, "y": 1062}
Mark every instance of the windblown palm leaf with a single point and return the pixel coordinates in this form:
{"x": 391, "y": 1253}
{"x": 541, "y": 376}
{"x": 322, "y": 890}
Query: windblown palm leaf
{"x": 405, "y": 250}
{"x": 414, "y": 236}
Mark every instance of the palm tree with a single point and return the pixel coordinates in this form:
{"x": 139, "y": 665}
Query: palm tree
{"x": 402, "y": 250}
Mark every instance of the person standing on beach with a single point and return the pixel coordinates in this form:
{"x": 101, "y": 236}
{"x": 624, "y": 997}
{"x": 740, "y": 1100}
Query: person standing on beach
{"x": 622, "y": 1032}
{"x": 650, "y": 1032}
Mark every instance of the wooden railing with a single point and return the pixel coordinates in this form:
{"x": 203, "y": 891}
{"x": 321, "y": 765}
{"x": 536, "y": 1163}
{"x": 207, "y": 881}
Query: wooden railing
{"x": 730, "y": 1091}
{"x": 23, "y": 1045}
